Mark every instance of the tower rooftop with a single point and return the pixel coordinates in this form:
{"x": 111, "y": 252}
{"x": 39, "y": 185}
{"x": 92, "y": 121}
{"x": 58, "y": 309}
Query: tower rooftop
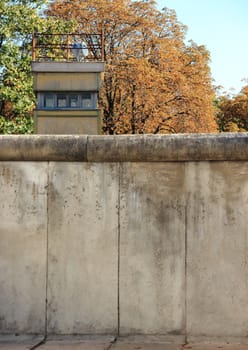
{"x": 74, "y": 47}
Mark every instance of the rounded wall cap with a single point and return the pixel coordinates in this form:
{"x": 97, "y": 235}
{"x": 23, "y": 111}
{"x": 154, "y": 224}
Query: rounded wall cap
{"x": 125, "y": 148}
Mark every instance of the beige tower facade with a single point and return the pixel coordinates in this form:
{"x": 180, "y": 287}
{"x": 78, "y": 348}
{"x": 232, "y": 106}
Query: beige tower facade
{"x": 67, "y": 93}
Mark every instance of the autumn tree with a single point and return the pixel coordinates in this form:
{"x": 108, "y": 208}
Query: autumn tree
{"x": 154, "y": 82}
{"x": 232, "y": 112}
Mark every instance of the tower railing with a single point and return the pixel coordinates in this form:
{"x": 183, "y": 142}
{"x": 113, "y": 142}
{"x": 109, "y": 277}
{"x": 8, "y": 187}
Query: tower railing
{"x": 75, "y": 47}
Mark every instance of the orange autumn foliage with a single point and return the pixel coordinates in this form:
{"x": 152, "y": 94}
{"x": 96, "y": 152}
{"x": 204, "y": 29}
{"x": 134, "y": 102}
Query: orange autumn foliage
{"x": 232, "y": 112}
{"x": 154, "y": 82}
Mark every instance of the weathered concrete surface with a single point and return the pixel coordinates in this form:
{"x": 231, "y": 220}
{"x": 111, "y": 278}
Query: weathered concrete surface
{"x": 75, "y": 345}
{"x": 57, "y": 124}
{"x": 43, "y": 148}
{"x": 152, "y": 251}
{"x": 85, "y": 345}
{"x": 66, "y": 81}
{"x": 156, "y": 148}
{"x": 216, "y": 346}
{"x": 125, "y": 148}
{"x": 217, "y": 244}
{"x": 20, "y": 342}
{"x": 67, "y": 77}
{"x": 157, "y": 248}
{"x": 23, "y": 232}
{"x": 83, "y": 248}
{"x": 68, "y": 67}
{"x": 146, "y": 346}
{"x": 16, "y": 346}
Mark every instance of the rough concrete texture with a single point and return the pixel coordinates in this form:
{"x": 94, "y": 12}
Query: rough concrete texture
{"x": 43, "y": 148}
{"x": 13, "y": 346}
{"x": 68, "y": 67}
{"x": 217, "y": 346}
{"x": 125, "y": 148}
{"x": 57, "y": 124}
{"x": 66, "y": 81}
{"x": 16, "y": 346}
{"x": 83, "y": 248}
{"x": 18, "y": 342}
{"x": 155, "y": 248}
{"x": 86, "y": 345}
{"x": 152, "y": 249}
{"x": 23, "y": 232}
{"x": 217, "y": 236}
{"x": 156, "y": 148}
{"x": 145, "y": 346}
{"x": 75, "y": 345}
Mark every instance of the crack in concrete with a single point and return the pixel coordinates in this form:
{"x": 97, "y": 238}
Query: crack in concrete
{"x": 111, "y": 344}
{"x": 43, "y": 341}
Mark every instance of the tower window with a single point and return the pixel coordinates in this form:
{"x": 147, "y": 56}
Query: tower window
{"x": 77, "y": 100}
{"x": 61, "y": 101}
{"x": 49, "y": 101}
{"x": 73, "y": 101}
{"x": 87, "y": 101}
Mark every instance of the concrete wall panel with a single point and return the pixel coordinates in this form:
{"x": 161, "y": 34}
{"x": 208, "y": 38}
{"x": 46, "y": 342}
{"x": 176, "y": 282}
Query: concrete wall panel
{"x": 152, "y": 249}
{"x": 217, "y": 236}
{"x": 148, "y": 235}
{"x": 23, "y": 232}
{"x": 83, "y": 248}
{"x": 59, "y": 125}
{"x": 67, "y": 82}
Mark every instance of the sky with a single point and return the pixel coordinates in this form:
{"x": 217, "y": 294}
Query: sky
{"x": 222, "y": 26}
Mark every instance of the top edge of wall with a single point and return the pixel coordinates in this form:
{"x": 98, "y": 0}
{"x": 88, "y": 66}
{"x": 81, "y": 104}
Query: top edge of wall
{"x": 125, "y": 148}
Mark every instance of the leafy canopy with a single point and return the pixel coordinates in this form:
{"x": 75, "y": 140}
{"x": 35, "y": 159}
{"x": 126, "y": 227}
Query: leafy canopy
{"x": 232, "y": 112}
{"x": 154, "y": 82}
{"x": 18, "y": 20}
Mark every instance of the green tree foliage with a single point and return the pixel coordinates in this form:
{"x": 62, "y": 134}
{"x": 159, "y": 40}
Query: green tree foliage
{"x": 232, "y": 112}
{"x": 18, "y": 20}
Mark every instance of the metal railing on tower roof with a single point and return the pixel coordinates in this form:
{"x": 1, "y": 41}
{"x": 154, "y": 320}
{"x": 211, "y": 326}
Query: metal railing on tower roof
{"x": 74, "y": 47}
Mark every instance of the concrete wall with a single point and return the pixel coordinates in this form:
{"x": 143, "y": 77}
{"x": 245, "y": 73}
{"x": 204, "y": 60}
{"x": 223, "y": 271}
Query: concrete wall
{"x": 76, "y": 122}
{"x": 125, "y": 235}
{"x": 67, "y": 81}
{"x": 67, "y": 76}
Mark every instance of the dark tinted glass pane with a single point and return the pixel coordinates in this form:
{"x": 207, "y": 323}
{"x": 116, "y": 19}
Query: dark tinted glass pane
{"x": 86, "y": 95}
{"x": 61, "y": 101}
{"x": 49, "y": 101}
{"x": 73, "y": 101}
{"x": 87, "y": 100}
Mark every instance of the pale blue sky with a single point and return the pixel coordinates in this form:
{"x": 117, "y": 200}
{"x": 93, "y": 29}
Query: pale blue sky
{"x": 222, "y": 26}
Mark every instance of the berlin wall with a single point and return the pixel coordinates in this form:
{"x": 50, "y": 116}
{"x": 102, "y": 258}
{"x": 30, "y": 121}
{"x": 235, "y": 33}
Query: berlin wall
{"x": 124, "y": 235}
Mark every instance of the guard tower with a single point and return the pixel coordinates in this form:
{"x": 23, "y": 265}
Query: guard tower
{"x": 68, "y": 72}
